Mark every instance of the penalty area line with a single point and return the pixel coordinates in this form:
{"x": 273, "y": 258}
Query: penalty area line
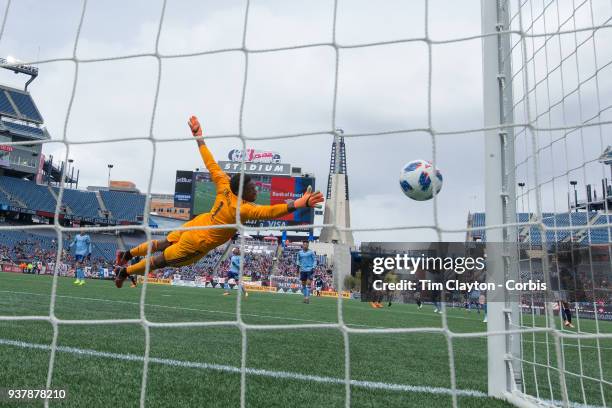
{"x": 251, "y": 371}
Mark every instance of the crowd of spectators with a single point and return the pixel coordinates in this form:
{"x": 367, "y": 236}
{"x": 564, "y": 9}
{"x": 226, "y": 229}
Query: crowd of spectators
{"x": 26, "y": 250}
{"x": 263, "y": 261}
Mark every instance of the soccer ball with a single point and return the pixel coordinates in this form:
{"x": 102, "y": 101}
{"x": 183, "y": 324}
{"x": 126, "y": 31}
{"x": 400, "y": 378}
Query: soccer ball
{"x": 418, "y": 182}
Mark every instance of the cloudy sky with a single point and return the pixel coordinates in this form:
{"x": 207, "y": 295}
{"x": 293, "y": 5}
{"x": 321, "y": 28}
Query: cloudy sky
{"x": 291, "y": 91}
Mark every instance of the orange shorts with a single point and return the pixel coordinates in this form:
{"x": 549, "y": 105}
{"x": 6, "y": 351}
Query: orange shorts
{"x": 187, "y": 246}
{"x": 174, "y": 236}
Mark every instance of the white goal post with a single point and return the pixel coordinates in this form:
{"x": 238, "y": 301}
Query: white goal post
{"x": 503, "y": 373}
{"x": 542, "y": 49}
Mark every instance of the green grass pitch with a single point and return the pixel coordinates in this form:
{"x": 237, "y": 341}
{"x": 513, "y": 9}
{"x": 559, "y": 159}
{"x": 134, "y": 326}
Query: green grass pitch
{"x": 102, "y": 365}
{"x": 205, "y": 194}
{"x": 204, "y": 197}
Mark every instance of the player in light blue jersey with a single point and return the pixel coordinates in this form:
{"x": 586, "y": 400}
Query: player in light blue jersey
{"x": 306, "y": 262}
{"x": 82, "y": 251}
{"x": 234, "y": 273}
{"x": 474, "y": 299}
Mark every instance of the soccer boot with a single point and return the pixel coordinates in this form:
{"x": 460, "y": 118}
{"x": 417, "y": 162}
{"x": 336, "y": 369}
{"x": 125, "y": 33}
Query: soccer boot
{"x": 120, "y": 276}
{"x": 122, "y": 257}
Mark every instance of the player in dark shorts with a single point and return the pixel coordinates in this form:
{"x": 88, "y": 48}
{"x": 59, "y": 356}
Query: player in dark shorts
{"x": 319, "y": 285}
{"x": 306, "y": 260}
{"x": 417, "y": 298}
{"x": 234, "y": 273}
{"x": 566, "y": 313}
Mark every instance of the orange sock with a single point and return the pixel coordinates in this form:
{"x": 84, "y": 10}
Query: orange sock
{"x": 139, "y": 267}
{"x": 141, "y": 250}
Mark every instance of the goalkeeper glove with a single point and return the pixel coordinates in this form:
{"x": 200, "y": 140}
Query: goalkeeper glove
{"x": 194, "y": 125}
{"x": 309, "y": 199}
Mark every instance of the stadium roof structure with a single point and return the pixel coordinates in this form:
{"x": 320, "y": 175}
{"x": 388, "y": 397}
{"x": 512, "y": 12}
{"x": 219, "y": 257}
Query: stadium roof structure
{"x": 606, "y": 156}
{"x": 19, "y": 116}
{"x": 18, "y": 104}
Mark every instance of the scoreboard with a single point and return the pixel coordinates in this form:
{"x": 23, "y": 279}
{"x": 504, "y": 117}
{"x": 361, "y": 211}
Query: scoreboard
{"x": 196, "y": 191}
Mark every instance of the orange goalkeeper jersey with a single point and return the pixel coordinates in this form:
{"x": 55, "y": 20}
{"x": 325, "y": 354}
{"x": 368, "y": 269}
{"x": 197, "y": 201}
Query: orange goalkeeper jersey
{"x": 223, "y": 211}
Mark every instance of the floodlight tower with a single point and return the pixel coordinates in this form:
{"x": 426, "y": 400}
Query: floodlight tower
{"x": 337, "y": 209}
{"x": 14, "y": 65}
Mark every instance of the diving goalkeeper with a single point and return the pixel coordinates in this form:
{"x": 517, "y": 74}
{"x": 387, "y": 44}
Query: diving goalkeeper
{"x": 182, "y": 248}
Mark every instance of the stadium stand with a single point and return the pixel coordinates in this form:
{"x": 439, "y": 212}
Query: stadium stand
{"x": 25, "y": 104}
{"x": 5, "y": 105}
{"x": 39, "y": 248}
{"x": 17, "y": 246}
{"x": 34, "y": 196}
{"x": 83, "y": 203}
{"x": 4, "y": 200}
{"x": 600, "y": 235}
{"x": 104, "y": 250}
{"x": 23, "y": 129}
{"x": 124, "y": 206}
{"x": 533, "y": 235}
{"x": 21, "y": 245}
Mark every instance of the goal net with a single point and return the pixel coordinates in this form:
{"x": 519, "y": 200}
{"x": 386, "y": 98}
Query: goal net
{"x": 554, "y": 104}
{"x": 547, "y": 79}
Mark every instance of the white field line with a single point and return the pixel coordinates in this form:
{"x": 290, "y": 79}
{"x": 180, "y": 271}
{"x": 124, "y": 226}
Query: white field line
{"x": 254, "y": 315}
{"x": 190, "y": 309}
{"x": 375, "y": 385}
{"x": 251, "y": 371}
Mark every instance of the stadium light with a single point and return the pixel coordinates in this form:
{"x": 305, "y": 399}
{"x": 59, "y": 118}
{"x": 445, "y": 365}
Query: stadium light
{"x": 13, "y": 64}
{"x": 70, "y": 166}
{"x": 522, "y": 186}
{"x": 110, "y": 166}
{"x": 573, "y": 183}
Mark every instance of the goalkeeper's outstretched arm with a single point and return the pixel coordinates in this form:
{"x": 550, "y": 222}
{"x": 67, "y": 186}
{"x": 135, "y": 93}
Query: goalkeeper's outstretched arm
{"x": 217, "y": 175}
{"x": 250, "y": 211}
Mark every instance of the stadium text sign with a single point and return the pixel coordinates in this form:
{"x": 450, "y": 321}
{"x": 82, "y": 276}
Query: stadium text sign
{"x": 182, "y": 189}
{"x": 276, "y": 169}
{"x": 256, "y": 156}
{"x": 155, "y": 281}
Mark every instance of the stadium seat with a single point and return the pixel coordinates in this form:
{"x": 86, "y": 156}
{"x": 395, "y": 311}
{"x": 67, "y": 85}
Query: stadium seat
{"x": 26, "y": 106}
{"x": 5, "y": 104}
{"x": 23, "y": 129}
{"x": 124, "y": 206}
{"x": 34, "y": 196}
{"x": 82, "y": 203}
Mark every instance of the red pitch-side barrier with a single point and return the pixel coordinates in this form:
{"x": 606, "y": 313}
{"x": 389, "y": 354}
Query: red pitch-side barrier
{"x": 10, "y": 268}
